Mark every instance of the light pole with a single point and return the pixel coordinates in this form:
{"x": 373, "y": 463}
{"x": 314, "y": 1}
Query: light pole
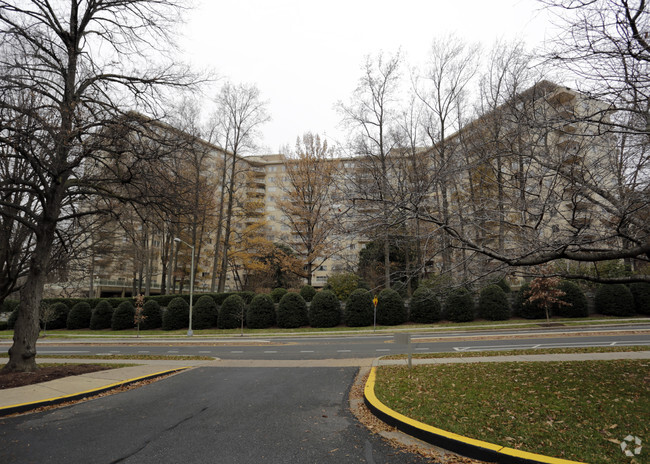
{"x": 178, "y": 240}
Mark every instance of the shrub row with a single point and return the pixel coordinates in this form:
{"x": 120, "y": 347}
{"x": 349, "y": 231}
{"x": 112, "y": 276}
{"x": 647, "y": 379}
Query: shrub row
{"x": 259, "y": 311}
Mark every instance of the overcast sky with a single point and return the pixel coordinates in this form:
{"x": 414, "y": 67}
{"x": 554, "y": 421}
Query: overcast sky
{"x": 304, "y": 56}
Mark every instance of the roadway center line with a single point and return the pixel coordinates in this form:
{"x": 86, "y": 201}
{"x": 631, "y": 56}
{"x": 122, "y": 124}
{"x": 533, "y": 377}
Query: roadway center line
{"x": 236, "y": 352}
{"x": 307, "y": 351}
{"x": 343, "y": 351}
{"x": 144, "y": 351}
{"x": 205, "y": 351}
{"x": 270, "y": 352}
{"x": 383, "y": 349}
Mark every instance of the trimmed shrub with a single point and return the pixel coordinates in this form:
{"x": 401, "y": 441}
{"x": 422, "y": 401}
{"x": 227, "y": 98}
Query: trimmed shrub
{"x": 204, "y": 313}
{"x": 576, "y": 299}
{"x": 459, "y": 306}
{"x": 503, "y": 283}
{"x": 307, "y": 292}
{"x": 177, "y": 315}
{"x": 278, "y": 293}
{"x": 261, "y": 313}
{"x": 3, "y": 325}
{"x": 425, "y": 307}
{"x": 493, "y": 304}
{"x": 152, "y": 315}
{"x": 9, "y": 306}
{"x": 123, "y": 316}
{"x": 359, "y": 309}
{"x": 641, "y": 294}
{"x": 101, "y": 317}
{"x": 292, "y": 311}
{"x": 219, "y": 298}
{"x": 59, "y": 316}
{"x": 526, "y": 309}
{"x": 231, "y": 312}
{"x": 11, "y": 321}
{"x": 390, "y": 308}
{"x": 115, "y": 302}
{"x": 247, "y": 296}
{"x": 79, "y": 316}
{"x": 614, "y": 300}
{"x": 325, "y": 310}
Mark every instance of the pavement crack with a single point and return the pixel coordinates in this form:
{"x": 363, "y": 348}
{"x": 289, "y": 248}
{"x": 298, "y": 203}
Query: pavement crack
{"x": 147, "y": 442}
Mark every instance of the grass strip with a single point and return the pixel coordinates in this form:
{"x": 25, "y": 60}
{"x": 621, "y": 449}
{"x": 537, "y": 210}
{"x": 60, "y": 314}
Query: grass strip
{"x": 570, "y": 410}
{"x": 144, "y": 357}
{"x": 523, "y": 352}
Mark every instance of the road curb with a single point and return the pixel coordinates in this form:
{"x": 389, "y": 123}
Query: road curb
{"x": 475, "y": 449}
{"x": 25, "y": 407}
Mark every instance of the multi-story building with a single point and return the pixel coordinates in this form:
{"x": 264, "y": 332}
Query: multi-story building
{"x": 513, "y": 179}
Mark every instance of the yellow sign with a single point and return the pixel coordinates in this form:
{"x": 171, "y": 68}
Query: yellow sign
{"x": 375, "y": 301}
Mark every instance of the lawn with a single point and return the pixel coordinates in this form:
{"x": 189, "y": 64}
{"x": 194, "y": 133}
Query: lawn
{"x": 571, "y": 410}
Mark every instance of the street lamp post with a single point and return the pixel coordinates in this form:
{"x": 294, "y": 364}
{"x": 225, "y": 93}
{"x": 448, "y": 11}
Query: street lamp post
{"x": 178, "y": 240}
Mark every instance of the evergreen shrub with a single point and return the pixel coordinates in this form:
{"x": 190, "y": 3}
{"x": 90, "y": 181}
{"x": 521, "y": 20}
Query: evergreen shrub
{"x": 231, "y": 312}
{"x": 9, "y": 306}
{"x": 390, "y": 308}
{"x": 278, "y": 293}
{"x": 219, "y": 298}
{"x": 101, "y": 317}
{"x": 459, "y": 306}
{"x": 307, "y": 292}
{"x": 123, "y": 316}
{"x": 204, "y": 313}
{"x": 152, "y": 315}
{"x": 79, "y": 316}
{"x": 614, "y": 300}
{"x": 343, "y": 284}
{"x": 11, "y": 320}
{"x": 359, "y": 309}
{"x": 261, "y": 313}
{"x": 59, "y": 317}
{"x": 524, "y": 308}
{"x": 292, "y": 311}
{"x": 576, "y": 299}
{"x": 425, "y": 307}
{"x": 177, "y": 315}
{"x": 641, "y": 294}
{"x": 325, "y": 310}
{"x": 493, "y": 304}
{"x": 247, "y": 296}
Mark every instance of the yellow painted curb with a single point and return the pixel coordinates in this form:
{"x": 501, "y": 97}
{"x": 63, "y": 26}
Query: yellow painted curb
{"x": 501, "y": 453}
{"x": 23, "y": 407}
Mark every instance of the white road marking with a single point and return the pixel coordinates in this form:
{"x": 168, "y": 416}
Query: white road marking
{"x": 237, "y": 352}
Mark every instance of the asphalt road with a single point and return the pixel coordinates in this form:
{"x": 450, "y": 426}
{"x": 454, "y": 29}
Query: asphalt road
{"x": 300, "y": 348}
{"x": 206, "y": 415}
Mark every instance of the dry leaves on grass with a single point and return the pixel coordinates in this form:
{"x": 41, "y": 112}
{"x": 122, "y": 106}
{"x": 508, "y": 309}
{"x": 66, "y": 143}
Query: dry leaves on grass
{"x": 388, "y": 433}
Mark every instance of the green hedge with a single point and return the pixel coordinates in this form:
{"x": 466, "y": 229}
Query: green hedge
{"x": 11, "y": 321}
{"x": 8, "y": 306}
{"x": 152, "y": 315}
{"x": 278, "y": 293}
{"x": 60, "y": 317}
{"x": 390, "y": 308}
{"x": 577, "y": 301}
{"x": 101, "y": 317}
{"x": 123, "y": 316}
{"x": 459, "y": 306}
{"x": 261, "y": 313}
{"x": 79, "y": 316}
{"x": 425, "y": 308}
{"x": 359, "y": 309}
{"x": 177, "y": 315}
{"x": 493, "y": 304}
{"x": 325, "y": 310}
{"x": 231, "y": 312}
{"x": 614, "y": 300}
{"x": 641, "y": 294}
{"x": 204, "y": 313}
{"x": 524, "y": 308}
{"x": 307, "y": 292}
{"x": 292, "y": 311}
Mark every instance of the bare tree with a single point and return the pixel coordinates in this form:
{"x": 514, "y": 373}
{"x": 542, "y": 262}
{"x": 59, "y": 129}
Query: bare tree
{"x": 87, "y": 63}
{"x": 371, "y": 117}
{"x": 239, "y": 114}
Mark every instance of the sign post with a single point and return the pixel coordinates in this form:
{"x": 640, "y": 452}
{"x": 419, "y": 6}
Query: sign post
{"x": 405, "y": 339}
{"x": 375, "y": 300}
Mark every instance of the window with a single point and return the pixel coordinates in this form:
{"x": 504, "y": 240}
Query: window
{"x": 322, "y": 268}
{"x": 321, "y": 279}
